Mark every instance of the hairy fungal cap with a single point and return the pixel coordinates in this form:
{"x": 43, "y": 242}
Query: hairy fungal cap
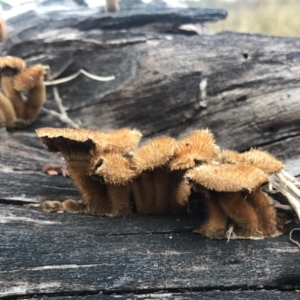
{"x": 227, "y": 177}
{"x": 30, "y": 77}
{"x": 114, "y": 169}
{"x": 69, "y": 141}
{"x": 256, "y": 157}
{"x": 79, "y": 135}
{"x": 123, "y": 140}
{"x": 156, "y": 153}
{"x": 196, "y": 148}
{"x": 12, "y": 62}
{"x": 263, "y": 160}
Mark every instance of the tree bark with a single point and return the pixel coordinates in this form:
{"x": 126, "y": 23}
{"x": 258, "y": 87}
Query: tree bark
{"x": 244, "y": 87}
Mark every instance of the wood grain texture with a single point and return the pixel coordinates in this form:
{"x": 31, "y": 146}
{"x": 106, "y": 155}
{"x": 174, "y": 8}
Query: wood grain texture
{"x": 218, "y": 294}
{"x": 21, "y": 174}
{"x": 57, "y": 253}
{"x": 250, "y": 99}
{"x": 245, "y": 88}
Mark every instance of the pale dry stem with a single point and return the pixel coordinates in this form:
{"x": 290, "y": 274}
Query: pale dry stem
{"x": 73, "y": 76}
{"x": 291, "y": 239}
{"x": 62, "y": 116}
{"x": 229, "y": 232}
{"x": 286, "y": 184}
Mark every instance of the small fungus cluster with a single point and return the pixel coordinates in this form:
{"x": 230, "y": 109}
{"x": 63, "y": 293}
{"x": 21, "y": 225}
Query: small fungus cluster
{"x": 167, "y": 176}
{"x": 23, "y": 89}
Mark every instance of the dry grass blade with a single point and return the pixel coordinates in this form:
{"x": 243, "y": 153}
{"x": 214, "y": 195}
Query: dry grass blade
{"x": 73, "y": 76}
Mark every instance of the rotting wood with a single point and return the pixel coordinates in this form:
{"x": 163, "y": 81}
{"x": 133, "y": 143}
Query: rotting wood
{"x": 251, "y": 92}
{"x": 184, "y": 295}
{"x": 244, "y": 87}
{"x": 57, "y": 253}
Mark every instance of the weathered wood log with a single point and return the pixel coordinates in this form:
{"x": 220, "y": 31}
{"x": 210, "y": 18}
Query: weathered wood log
{"x": 60, "y": 253}
{"x": 249, "y": 83}
{"x": 243, "y": 87}
{"x": 205, "y": 295}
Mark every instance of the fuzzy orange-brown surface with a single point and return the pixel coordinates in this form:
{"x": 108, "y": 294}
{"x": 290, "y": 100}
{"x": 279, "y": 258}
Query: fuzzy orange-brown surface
{"x": 196, "y": 148}
{"x": 229, "y": 185}
{"x": 252, "y": 214}
{"x": 228, "y": 177}
{"x": 263, "y": 160}
{"x": 14, "y": 96}
{"x": 124, "y": 140}
{"x": 75, "y": 144}
{"x": 114, "y": 168}
{"x": 29, "y": 78}
{"x": 230, "y": 157}
{"x": 215, "y": 225}
{"x": 256, "y": 157}
{"x": 25, "y": 110}
{"x": 72, "y": 206}
{"x": 265, "y": 210}
{"x": 237, "y": 207}
{"x": 112, "y": 5}
{"x": 156, "y": 153}
{"x": 7, "y": 112}
{"x": 144, "y": 193}
{"x": 118, "y": 197}
{"x": 101, "y": 176}
{"x": 3, "y": 30}
{"x": 179, "y": 191}
{"x": 51, "y": 206}
{"x": 94, "y": 193}
{"x": 12, "y": 62}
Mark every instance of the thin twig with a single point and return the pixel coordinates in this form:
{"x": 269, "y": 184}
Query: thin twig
{"x": 282, "y": 206}
{"x": 291, "y": 239}
{"x": 73, "y": 76}
{"x": 291, "y": 178}
{"x": 96, "y": 77}
{"x": 58, "y": 101}
{"x": 285, "y": 185}
{"x": 63, "y": 116}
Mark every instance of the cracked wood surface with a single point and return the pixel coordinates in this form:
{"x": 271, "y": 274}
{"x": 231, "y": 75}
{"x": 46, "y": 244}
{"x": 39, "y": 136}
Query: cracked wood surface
{"x": 61, "y": 253}
{"x": 249, "y": 91}
{"x": 79, "y": 256}
{"x": 244, "y": 87}
{"x": 237, "y": 295}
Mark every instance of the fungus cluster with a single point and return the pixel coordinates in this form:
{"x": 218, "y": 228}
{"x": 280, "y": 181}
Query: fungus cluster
{"x": 167, "y": 175}
{"x": 23, "y": 89}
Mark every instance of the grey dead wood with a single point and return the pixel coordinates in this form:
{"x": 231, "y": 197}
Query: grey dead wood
{"x": 57, "y": 253}
{"x": 219, "y": 294}
{"x": 250, "y": 83}
{"x": 64, "y": 254}
{"x": 245, "y": 88}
